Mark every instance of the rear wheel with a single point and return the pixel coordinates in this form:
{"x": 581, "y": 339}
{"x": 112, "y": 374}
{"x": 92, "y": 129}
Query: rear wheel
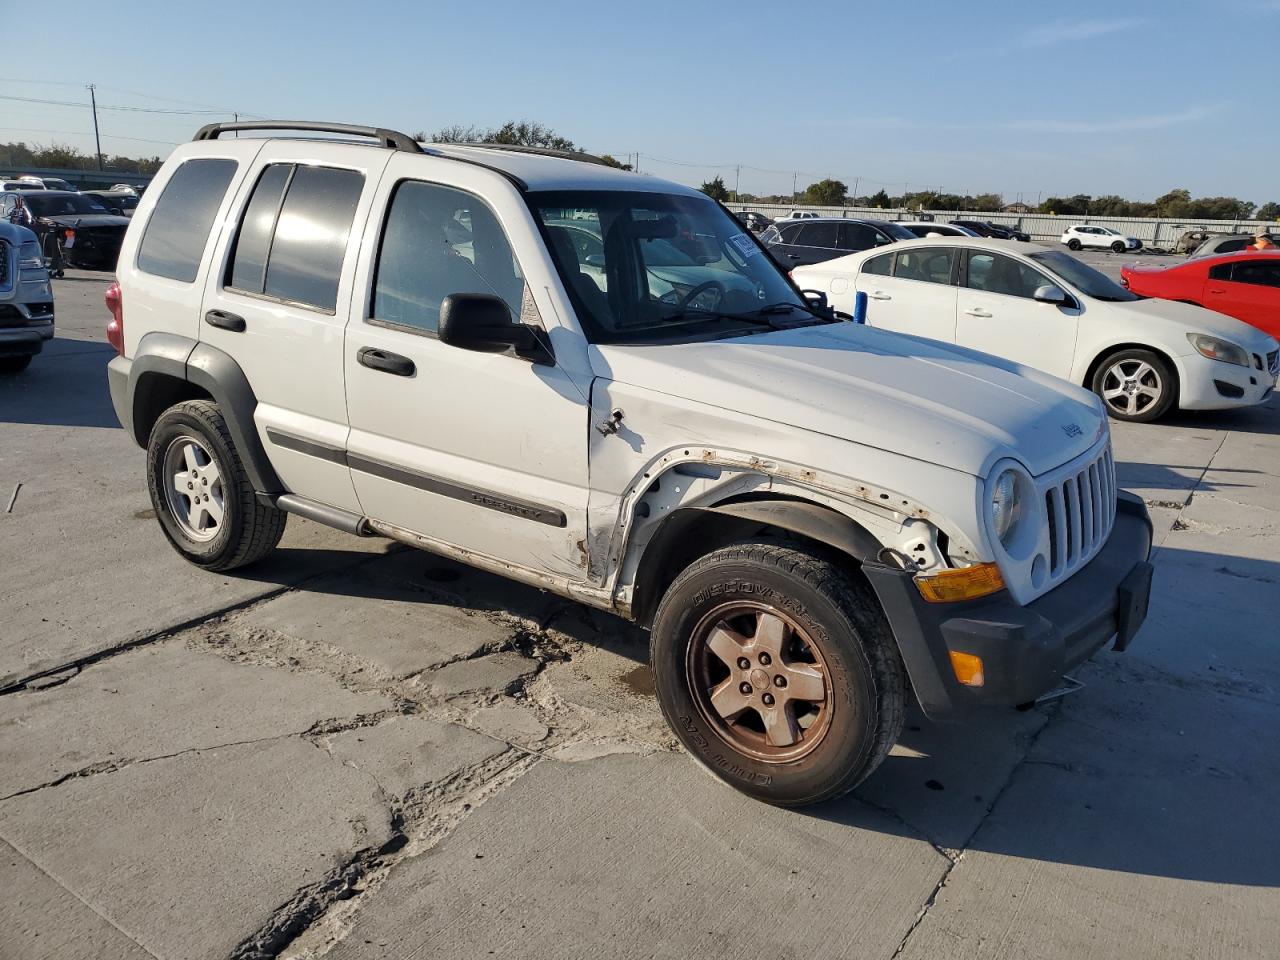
{"x": 1073, "y": 244}
{"x": 1136, "y": 385}
{"x": 15, "y": 364}
{"x": 202, "y": 496}
{"x": 777, "y": 671}
{"x": 1118, "y": 246}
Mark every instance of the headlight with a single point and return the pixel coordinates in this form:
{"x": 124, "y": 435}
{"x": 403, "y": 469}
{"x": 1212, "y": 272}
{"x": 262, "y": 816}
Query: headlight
{"x": 29, "y": 255}
{"x": 1006, "y": 505}
{"x": 1216, "y": 349}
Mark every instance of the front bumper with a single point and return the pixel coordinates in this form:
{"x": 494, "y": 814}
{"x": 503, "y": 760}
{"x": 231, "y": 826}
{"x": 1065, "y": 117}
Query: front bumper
{"x": 1206, "y": 384}
{"x": 1025, "y": 650}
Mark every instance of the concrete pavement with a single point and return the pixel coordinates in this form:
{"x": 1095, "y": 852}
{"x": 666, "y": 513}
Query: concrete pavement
{"x": 361, "y": 751}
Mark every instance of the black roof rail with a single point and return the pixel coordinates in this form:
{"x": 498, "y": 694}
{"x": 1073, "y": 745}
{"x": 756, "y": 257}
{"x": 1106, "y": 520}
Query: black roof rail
{"x": 391, "y": 139}
{"x": 578, "y": 155}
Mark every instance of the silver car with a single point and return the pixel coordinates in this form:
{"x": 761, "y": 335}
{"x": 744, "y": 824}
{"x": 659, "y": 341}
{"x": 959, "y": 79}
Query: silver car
{"x": 26, "y": 298}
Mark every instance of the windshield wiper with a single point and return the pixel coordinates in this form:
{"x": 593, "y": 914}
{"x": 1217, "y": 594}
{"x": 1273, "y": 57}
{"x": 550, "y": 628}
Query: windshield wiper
{"x": 775, "y": 309}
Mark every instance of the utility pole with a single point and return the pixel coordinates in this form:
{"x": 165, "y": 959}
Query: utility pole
{"x": 237, "y": 119}
{"x": 737, "y": 176}
{"x": 855, "y": 189}
{"x": 97, "y": 141}
{"x": 793, "y": 188}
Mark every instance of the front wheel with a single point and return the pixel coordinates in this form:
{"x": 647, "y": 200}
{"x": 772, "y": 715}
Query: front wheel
{"x": 1136, "y": 385}
{"x": 1117, "y": 247}
{"x": 1073, "y": 244}
{"x": 776, "y": 669}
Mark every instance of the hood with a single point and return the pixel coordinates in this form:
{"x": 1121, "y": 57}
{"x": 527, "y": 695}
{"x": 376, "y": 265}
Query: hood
{"x": 1176, "y": 320}
{"x": 933, "y": 402}
{"x": 88, "y": 220}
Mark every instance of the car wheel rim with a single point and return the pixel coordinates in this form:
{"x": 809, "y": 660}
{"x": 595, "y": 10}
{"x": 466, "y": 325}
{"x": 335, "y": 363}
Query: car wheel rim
{"x": 759, "y": 680}
{"x": 1131, "y": 387}
{"x": 194, "y": 489}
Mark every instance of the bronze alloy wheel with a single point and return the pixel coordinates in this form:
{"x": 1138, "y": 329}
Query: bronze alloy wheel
{"x": 760, "y": 681}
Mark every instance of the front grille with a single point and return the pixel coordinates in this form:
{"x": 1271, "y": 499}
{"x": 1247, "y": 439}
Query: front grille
{"x": 1081, "y": 509}
{"x": 1273, "y": 362}
{"x": 4, "y": 264}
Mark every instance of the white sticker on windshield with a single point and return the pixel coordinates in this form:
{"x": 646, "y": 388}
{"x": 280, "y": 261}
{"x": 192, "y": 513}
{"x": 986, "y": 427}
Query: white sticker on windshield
{"x": 745, "y": 245}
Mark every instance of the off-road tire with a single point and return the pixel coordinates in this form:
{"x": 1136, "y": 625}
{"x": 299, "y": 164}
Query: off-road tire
{"x": 15, "y": 364}
{"x": 250, "y": 529}
{"x": 840, "y": 614}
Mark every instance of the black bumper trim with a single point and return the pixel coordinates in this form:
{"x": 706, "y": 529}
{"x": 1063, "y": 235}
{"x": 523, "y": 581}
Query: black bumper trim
{"x": 1024, "y": 649}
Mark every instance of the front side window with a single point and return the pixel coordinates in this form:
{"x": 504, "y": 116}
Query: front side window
{"x": 1090, "y": 282}
{"x": 293, "y": 235}
{"x": 929, "y": 266}
{"x": 440, "y": 241}
{"x": 993, "y": 273}
{"x": 178, "y": 230}
{"x": 658, "y": 267}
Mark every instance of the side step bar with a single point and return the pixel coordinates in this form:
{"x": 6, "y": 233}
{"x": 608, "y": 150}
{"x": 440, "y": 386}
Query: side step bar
{"x": 343, "y": 520}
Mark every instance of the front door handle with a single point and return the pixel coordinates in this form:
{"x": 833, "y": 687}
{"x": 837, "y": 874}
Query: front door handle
{"x": 225, "y": 321}
{"x": 977, "y": 312}
{"x": 385, "y": 361}
{"x": 880, "y": 295}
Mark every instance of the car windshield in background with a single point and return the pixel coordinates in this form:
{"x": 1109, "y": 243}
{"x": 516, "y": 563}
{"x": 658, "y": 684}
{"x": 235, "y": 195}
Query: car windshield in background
{"x": 1083, "y": 277}
{"x": 895, "y": 230}
{"x": 653, "y": 267}
{"x": 63, "y": 204}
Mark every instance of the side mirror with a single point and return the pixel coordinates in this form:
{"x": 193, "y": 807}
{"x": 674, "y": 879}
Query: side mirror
{"x": 1051, "y": 294}
{"x": 482, "y": 322}
{"x": 816, "y": 299}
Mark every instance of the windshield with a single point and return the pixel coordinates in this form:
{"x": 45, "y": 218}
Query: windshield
{"x": 63, "y": 204}
{"x": 1083, "y": 277}
{"x": 895, "y": 230}
{"x": 653, "y": 267}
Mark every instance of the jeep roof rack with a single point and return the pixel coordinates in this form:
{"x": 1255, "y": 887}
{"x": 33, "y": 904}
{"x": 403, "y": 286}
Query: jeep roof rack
{"x": 391, "y": 139}
{"x": 579, "y": 155}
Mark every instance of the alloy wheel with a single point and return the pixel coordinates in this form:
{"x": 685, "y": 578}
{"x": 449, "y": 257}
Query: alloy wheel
{"x": 194, "y": 489}
{"x": 1131, "y": 386}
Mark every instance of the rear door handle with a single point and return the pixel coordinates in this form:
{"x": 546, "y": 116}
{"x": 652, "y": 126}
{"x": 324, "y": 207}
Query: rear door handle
{"x": 977, "y": 312}
{"x": 880, "y": 295}
{"x": 385, "y": 361}
{"x": 793, "y": 256}
{"x": 225, "y": 321}
{"x": 1217, "y": 290}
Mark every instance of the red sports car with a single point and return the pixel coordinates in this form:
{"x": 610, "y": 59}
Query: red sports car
{"x": 1243, "y": 285}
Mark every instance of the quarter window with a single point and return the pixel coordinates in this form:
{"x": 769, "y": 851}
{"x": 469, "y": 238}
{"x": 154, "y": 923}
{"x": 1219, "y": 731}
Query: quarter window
{"x": 178, "y": 230}
{"x": 880, "y": 266}
{"x": 293, "y": 235}
{"x": 996, "y": 274}
{"x": 439, "y": 241}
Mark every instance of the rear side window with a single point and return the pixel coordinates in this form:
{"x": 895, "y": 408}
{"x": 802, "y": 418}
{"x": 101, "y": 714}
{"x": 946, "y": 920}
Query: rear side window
{"x": 928, "y": 266}
{"x": 821, "y": 234}
{"x": 293, "y": 235}
{"x": 179, "y": 225}
{"x": 1232, "y": 246}
{"x": 1220, "y": 271}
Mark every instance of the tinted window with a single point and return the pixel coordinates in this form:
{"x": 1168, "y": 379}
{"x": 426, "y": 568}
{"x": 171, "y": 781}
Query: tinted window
{"x": 790, "y": 232}
{"x": 820, "y": 234}
{"x": 880, "y": 266}
{"x": 179, "y": 225}
{"x": 311, "y": 236}
{"x": 249, "y": 262}
{"x": 1220, "y": 271}
{"x": 1083, "y": 277}
{"x": 439, "y": 241}
{"x": 1231, "y": 246}
{"x": 1262, "y": 272}
{"x": 858, "y": 236}
{"x": 996, "y": 274}
{"x": 930, "y": 266}
{"x": 53, "y": 204}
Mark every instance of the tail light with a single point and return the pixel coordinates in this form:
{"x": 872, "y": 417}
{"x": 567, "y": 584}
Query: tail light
{"x": 115, "y": 328}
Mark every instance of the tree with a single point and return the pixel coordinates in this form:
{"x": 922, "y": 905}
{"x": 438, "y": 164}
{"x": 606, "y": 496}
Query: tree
{"x": 1176, "y": 203}
{"x": 1268, "y": 211}
{"x": 611, "y": 161}
{"x": 878, "y": 199}
{"x": 826, "y": 193}
{"x": 985, "y": 202}
{"x": 1068, "y": 206}
{"x": 522, "y": 133}
{"x": 715, "y": 189}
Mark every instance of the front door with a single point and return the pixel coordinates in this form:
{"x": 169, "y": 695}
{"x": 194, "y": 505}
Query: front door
{"x": 483, "y": 451}
{"x": 998, "y": 314}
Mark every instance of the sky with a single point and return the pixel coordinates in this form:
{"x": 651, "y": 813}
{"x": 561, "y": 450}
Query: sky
{"x": 1024, "y": 99}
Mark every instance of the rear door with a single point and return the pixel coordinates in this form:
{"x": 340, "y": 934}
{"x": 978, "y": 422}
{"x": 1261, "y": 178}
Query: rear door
{"x": 1248, "y": 290}
{"x": 912, "y": 291}
{"x": 997, "y": 313}
{"x": 279, "y": 299}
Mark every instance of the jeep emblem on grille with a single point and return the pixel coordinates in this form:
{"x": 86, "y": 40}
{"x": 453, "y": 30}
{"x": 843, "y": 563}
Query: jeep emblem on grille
{"x": 1072, "y": 429}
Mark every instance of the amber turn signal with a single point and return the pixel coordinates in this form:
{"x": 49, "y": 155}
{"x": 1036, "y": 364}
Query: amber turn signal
{"x": 968, "y": 668}
{"x": 964, "y": 583}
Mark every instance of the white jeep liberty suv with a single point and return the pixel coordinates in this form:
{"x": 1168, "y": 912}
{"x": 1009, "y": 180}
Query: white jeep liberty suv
{"x": 599, "y": 383}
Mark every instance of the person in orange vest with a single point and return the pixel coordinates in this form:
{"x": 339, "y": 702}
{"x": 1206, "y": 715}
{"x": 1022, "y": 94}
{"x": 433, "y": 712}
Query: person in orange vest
{"x": 1261, "y": 241}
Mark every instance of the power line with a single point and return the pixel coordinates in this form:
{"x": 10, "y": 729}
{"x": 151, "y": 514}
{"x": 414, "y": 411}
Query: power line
{"x": 133, "y": 93}
{"x": 78, "y": 133}
{"x": 103, "y": 106}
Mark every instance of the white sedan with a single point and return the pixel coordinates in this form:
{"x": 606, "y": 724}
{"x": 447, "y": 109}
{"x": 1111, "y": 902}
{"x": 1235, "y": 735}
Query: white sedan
{"x": 930, "y": 228}
{"x": 1045, "y": 309}
{"x": 1103, "y": 238}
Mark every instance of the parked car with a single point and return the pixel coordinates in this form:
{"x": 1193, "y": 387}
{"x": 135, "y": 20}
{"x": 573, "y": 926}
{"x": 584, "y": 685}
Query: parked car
{"x": 14, "y": 185}
{"x": 1080, "y": 236}
{"x": 813, "y": 240}
{"x": 89, "y": 234}
{"x": 1241, "y": 285}
{"x": 799, "y": 215}
{"x": 122, "y": 204}
{"x": 49, "y": 183}
{"x": 1046, "y": 309}
{"x": 1190, "y": 239}
{"x": 805, "y": 513}
{"x": 755, "y": 222}
{"x": 127, "y": 188}
{"x": 1219, "y": 243}
{"x": 26, "y": 298}
{"x": 930, "y": 228}
{"x": 995, "y": 231}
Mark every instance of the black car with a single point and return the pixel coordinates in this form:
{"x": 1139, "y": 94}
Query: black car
{"x": 119, "y": 203}
{"x": 88, "y": 233}
{"x": 801, "y": 242}
{"x": 996, "y": 231}
{"x": 755, "y": 222}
